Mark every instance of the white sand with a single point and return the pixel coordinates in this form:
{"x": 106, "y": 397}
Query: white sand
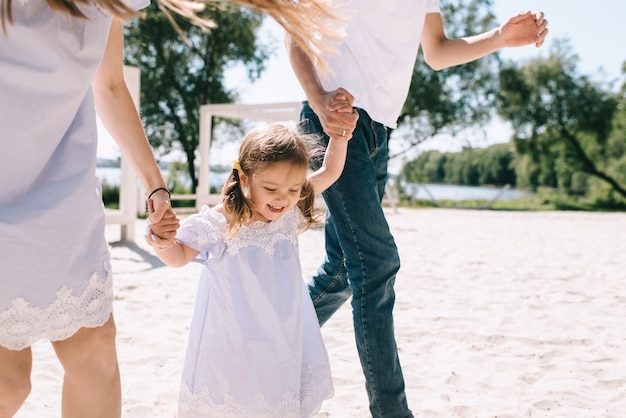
{"x": 498, "y": 314}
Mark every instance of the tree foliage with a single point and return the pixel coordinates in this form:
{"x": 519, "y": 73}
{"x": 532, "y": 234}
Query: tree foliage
{"x": 178, "y": 77}
{"x": 469, "y": 167}
{"x": 563, "y": 121}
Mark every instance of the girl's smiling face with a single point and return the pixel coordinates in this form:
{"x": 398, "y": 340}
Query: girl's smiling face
{"x": 274, "y": 189}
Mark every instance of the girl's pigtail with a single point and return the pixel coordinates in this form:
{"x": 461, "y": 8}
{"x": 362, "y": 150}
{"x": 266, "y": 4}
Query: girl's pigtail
{"x": 236, "y": 206}
{"x": 307, "y": 207}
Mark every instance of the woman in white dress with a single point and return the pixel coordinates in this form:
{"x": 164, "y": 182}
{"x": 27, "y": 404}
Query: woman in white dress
{"x": 59, "y": 62}
{"x": 255, "y": 347}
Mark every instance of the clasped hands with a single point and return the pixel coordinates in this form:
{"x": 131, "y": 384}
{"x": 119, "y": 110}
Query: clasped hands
{"x": 336, "y": 114}
{"x": 160, "y": 235}
{"x": 526, "y": 28}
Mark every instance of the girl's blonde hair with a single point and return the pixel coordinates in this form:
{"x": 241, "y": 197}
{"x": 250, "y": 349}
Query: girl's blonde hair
{"x": 313, "y": 24}
{"x": 274, "y": 143}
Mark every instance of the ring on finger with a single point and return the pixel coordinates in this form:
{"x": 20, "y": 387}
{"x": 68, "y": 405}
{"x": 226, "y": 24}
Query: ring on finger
{"x": 343, "y": 133}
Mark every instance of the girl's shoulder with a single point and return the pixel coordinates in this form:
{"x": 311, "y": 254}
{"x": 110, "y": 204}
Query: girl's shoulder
{"x": 209, "y": 221}
{"x": 204, "y": 232}
{"x": 212, "y": 214}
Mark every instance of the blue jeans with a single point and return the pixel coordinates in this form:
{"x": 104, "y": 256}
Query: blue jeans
{"x": 362, "y": 261}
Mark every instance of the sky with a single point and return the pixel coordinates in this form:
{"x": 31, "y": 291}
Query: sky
{"x": 593, "y": 30}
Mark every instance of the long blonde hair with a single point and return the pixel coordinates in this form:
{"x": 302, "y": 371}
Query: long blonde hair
{"x": 314, "y": 24}
{"x": 273, "y": 143}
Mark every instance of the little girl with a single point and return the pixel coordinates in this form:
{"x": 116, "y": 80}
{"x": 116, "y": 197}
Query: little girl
{"x": 255, "y": 347}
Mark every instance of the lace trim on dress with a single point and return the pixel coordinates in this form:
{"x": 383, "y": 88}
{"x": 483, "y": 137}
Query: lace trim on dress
{"x": 22, "y": 325}
{"x": 266, "y": 235}
{"x": 208, "y": 227}
{"x": 317, "y": 385}
{"x": 202, "y": 404}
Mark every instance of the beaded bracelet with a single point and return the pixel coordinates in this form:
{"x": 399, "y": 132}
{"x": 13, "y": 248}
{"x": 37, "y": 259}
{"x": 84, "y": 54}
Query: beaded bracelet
{"x": 160, "y": 188}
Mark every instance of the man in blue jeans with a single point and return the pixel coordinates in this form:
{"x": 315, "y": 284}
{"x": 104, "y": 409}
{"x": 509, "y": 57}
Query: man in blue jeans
{"x": 372, "y": 71}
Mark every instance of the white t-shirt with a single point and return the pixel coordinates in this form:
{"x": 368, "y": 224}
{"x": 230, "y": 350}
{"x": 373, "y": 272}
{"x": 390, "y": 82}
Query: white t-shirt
{"x": 376, "y": 58}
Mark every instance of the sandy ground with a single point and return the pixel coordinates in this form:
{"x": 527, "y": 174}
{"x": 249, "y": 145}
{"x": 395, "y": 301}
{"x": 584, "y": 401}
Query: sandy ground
{"x": 498, "y": 314}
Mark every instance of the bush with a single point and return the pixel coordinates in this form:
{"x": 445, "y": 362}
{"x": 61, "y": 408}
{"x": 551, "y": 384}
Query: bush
{"x": 603, "y": 196}
{"x": 110, "y": 195}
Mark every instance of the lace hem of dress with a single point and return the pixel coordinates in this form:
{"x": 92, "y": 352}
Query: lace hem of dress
{"x": 22, "y": 325}
{"x": 202, "y": 404}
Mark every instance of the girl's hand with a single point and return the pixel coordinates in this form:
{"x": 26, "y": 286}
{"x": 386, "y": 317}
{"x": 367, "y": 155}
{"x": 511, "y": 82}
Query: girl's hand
{"x": 161, "y": 234}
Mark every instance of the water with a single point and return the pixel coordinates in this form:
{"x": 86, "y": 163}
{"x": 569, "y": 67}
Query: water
{"x": 461, "y": 193}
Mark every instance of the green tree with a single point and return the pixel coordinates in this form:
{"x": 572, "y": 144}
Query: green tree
{"x": 181, "y": 73}
{"x": 434, "y": 167}
{"x": 616, "y": 149}
{"x": 562, "y": 120}
{"x": 428, "y": 167}
{"x": 495, "y": 165}
{"x": 471, "y": 167}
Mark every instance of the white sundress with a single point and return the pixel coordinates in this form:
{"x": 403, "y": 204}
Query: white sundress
{"x": 255, "y": 347}
{"x": 55, "y": 274}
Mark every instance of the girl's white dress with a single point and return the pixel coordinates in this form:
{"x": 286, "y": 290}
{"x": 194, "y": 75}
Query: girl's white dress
{"x": 255, "y": 347}
{"x": 54, "y": 259}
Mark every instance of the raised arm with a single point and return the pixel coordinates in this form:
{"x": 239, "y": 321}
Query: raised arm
{"x": 334, "y": 161}
{"x": 526, "y": 28}
{"x": 117, "y": 111}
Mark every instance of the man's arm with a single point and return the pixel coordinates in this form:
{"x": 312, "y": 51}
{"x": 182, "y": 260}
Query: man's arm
{"x": 334, "y": 108}
{"x": 526, "y": 28}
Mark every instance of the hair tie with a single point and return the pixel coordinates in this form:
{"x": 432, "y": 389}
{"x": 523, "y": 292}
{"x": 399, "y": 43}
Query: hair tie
{"x": 169, "y": 196}
{"x": 237, "y": 166}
